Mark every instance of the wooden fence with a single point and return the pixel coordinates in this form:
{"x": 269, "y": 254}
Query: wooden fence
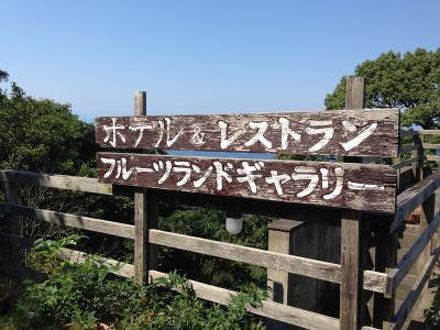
{"x": 356, "y": 223}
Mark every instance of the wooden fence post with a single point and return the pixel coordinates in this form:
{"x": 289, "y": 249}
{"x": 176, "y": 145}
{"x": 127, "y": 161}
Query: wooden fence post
{"x": 355, "y": 93}
{"x": 145, "y": 214}
{"x": 10, "y": 256}
{"x": 350, "y": 270}
{"x": 279, "y": 240}
{"x": 418, "y": 152}
{"x": 350, "y": 293}
{"x": 12, "y": 221}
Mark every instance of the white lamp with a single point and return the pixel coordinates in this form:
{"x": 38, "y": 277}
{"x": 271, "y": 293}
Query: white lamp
{"x": 234, "y": 225}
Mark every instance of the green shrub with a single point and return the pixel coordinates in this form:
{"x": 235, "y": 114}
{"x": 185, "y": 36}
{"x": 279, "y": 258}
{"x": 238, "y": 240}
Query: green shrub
{"x": 86, "y": 294}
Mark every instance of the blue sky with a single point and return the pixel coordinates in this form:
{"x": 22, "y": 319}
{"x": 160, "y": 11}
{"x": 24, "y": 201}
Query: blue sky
{"x": 201, "y": 56}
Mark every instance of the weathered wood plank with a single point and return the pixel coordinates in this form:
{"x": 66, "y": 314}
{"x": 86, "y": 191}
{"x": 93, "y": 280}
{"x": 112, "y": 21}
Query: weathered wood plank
{"x": 375, "y": 281}
{"x": 146, "y": 217}
{"x": 140, "y": 237}
{"x": 432, "y": 158}
{"x": 66, "y": 182}
{"x": 124, "y": 270}
{"x": 355, "y": 186}
{"x": 414, "y": 252}
{"x": 361, "y": 132}
{"x": 325, "y": 271}
{"x": 429, "y": 132}
{"x": 12, "y": 221}
{"x": 431, "y": 145}
{"x": 350, "y": 268}
{"x": 385, "y": 261}
{"x": 413, "y": 197}
{"x": 71, "y": 220}
{"x": 145, "y": 214}
{"x": 354, "y": 92}
{"x": 280, "y": 240}
{"x": 406, "y": 162}
{"x": 413, "y": 296}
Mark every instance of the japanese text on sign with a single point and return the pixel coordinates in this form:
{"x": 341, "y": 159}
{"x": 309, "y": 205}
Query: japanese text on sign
{"x": 325, "y": 183}
{"x": 323, "y": 133}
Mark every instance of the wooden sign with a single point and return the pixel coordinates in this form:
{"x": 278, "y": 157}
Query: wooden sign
{"x": 343, "y": 185}
{"x": 355, "y": 133}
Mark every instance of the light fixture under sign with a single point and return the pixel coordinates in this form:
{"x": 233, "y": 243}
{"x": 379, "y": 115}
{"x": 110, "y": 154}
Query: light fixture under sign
{"x": 234, "y": 225}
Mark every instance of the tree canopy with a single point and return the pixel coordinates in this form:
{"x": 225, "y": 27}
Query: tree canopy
{"x": 41, "y": 134}
{"x": 410, "y": 82}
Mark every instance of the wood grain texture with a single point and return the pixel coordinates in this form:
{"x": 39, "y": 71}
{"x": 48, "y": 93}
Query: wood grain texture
{"x": 413, "y": 197}
{"x": 375, "y": 281}
{"x": 431, "y": 145}
{"x": 140, "y": 237}
{"x": 84, "y": 184}
{"x": 371, "y": 132}
{"x": 71, "y": 220}
{"x": 385, "y": 260}
{"x": 145, "y": 214}
{"x": 432, "y": 158}
{"x": 429, "y": 132}
{"x": 12, "y": 220}
{"x": 354, "y": 92}
{"x": 325, "y": 271}
{"x": 411, "y": 300}
{"x": 123, "y": 269}
{"x": 407, "y": 162}
{"x": 415, "y": 251}
{"x": 350, "y": 269}
{"x": 362, "y": 186}
{"x": 146, "y": 217}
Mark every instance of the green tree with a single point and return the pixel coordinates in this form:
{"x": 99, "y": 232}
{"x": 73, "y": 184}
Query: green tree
{"x": 3, "y": 78}
{"x": 41, "y": 134}
{"x": 410, "y": 82}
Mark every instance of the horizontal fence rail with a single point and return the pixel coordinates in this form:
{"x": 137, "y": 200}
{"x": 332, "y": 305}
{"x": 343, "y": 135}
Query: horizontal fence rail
{"x": 433, "y": 132}
{"x": 373, "y": 281}
{"x": 326, "y": 271}
{"x": 409, "y": 199}
{"x": 65, "y": 219}
{"x": 66, "y": 182}
{"x": 414, "y": 252}
{"x": 407, "y": 162}
{"x": 410, "y": 301}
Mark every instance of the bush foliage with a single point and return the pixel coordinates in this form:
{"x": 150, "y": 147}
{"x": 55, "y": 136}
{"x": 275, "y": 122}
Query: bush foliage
{"x": 85, "y": 295}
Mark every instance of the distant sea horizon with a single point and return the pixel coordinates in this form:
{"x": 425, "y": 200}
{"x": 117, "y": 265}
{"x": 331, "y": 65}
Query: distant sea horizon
{"x": 220, "y": 154}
